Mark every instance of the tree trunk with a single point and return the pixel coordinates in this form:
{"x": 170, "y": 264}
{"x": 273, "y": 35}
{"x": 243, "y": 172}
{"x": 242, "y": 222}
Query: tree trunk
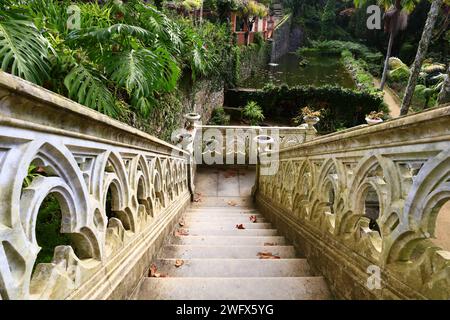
{"x": 386, "y": 62}
{"x": 201, "y": 13}
{"x": 444, "y": 95}
{"x": 421, "y": 54}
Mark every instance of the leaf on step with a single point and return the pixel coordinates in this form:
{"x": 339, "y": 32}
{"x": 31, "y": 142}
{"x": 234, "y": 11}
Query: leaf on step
{"x": 267, "y": 255}
{"x": 232, "y": 203}
{"x": 197, "y": 197}
{"x": 253, "y": 219}
{"x": 269, "y": 244}
{"x": 230, "y": 173}
{"x": 153, "y": 272}
{"x": 179, "y": 263}
{"x": 240, "y": 226}
{"x": 181, "y": 232}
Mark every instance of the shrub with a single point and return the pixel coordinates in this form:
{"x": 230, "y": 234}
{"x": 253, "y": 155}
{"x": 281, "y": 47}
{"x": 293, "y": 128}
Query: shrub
{"x": 400, "y": 75}
{"x": 253, "y": 113}
{"x": 220, "y": 117}
{"x": 342, "y": 107}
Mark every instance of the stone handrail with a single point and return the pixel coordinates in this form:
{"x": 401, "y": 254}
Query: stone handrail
{"x": 238, "y": 142}
{"x": 363, "y": 205}
{"x": 82, "y": 156}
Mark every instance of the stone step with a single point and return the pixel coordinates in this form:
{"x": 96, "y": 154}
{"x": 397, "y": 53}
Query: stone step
{"x": 234, "y": 268}
{"x": 224, "y": 202}
{"x": 224, "y": 252}
{"x": 236, "y": 219}
{"x": 222, "y": 209}
{"x": 221, "y": 216}
{"x": 227, "y": 225}
{"x": 235, "y": 232}
{"x": 228, "y": 240}
{"x": 299, "y": 288}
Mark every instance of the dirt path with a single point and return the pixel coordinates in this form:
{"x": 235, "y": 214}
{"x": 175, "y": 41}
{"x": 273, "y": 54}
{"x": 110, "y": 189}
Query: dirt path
{"x": 390, "y": 98}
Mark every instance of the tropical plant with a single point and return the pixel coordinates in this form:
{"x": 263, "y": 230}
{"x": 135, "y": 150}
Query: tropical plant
{"x": 125, "y": 56}
{"x": 421, "y": 54}
{"x": 253, "y": 113}
{"x": 24, "y": 52}
{"x": 220, "y": 117}
{"x": 395, "y": 19}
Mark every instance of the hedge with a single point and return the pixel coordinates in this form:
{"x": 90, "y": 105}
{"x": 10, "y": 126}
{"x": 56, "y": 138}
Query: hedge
{"x": 343, "y": 108}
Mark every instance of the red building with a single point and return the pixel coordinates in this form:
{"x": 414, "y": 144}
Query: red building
{"x": 263, "y": 26}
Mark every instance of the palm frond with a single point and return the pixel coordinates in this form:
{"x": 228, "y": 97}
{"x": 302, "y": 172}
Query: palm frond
{"x": 87, "y": 86}
{"x": 23, "y": 50}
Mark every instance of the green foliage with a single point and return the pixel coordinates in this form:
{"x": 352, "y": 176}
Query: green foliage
{"x": 358, "y": 69}
{"x": 220, "y": 117}
{"x": 253, "y": 113}
{"x": 87, "y": 86}
{"x": 399, "y": 75}
{"x": 123, "y": 60}
{"x": 342, "y": 107}
{"x": 246, "y": 60}
{"x": 31, "y": 174}
{"x": 24, "y": 52}
{"x": 328, "y": 19}
{"x": 48, "y": 229}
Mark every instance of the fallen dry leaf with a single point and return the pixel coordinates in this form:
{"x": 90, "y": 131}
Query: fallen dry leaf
{"x": 253, "y": 219}
{"x": 232, "y": 203}
{"x": 154, "y": 272}
{"x": 181, "y": 232}
{"x": 267, "y": 255}
{"x": 230, "y": 173}
{"x": 179, "y": 263}
{"x": 240, "y": 226}
{"x": 197, "y": 197}
{"x": 269, "y": 244}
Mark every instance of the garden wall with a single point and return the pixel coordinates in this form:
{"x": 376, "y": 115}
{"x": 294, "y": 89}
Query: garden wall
{"x": 248, "y": 60}
{"x": 281, "y": 40}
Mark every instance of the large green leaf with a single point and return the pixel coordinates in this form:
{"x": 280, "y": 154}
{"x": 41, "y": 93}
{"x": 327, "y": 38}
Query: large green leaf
{"x": 143, "y": 71}
{"x": 102, "y": 34}
{"x": 87, "y": 87}
{"x": 23, "y": 50}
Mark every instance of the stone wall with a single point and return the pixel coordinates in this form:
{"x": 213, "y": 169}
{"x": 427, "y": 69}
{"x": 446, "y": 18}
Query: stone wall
{"x": 82, "y": 156}
{"x": 281, "y": 40}
{"x": 249, "y": 60}
{"x": 363, "y": 205}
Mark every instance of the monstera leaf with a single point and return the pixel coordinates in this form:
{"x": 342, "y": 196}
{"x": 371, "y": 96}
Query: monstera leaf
{"x": 23, "y": 50}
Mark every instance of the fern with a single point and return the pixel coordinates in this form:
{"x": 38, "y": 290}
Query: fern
{"x": 86, "y": 86}
{"x": 23, "y": 50}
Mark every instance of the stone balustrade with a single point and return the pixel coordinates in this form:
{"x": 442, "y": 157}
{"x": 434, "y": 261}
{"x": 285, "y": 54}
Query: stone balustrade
{"x": 85, "y": 161}
{"x": 241, "y": 144}
{"x": 365, "y": 206}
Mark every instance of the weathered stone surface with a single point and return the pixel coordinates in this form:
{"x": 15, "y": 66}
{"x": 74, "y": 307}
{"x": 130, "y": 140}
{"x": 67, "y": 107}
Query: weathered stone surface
{"x": 397, "y": 172}
{"x": 84, "y": 154}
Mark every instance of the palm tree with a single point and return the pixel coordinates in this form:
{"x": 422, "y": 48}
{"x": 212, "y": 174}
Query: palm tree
{"x": 395, "y": 20}
{"x": 421, "y": 54}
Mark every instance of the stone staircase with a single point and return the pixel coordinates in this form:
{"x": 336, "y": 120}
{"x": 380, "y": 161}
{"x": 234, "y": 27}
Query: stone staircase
{"x": 222, "y": 262}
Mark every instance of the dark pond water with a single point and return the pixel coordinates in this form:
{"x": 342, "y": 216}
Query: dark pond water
{"x": 321, "y": 70}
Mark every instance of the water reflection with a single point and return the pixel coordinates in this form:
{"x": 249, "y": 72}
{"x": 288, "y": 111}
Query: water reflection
{"x": 319, "y": 70}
